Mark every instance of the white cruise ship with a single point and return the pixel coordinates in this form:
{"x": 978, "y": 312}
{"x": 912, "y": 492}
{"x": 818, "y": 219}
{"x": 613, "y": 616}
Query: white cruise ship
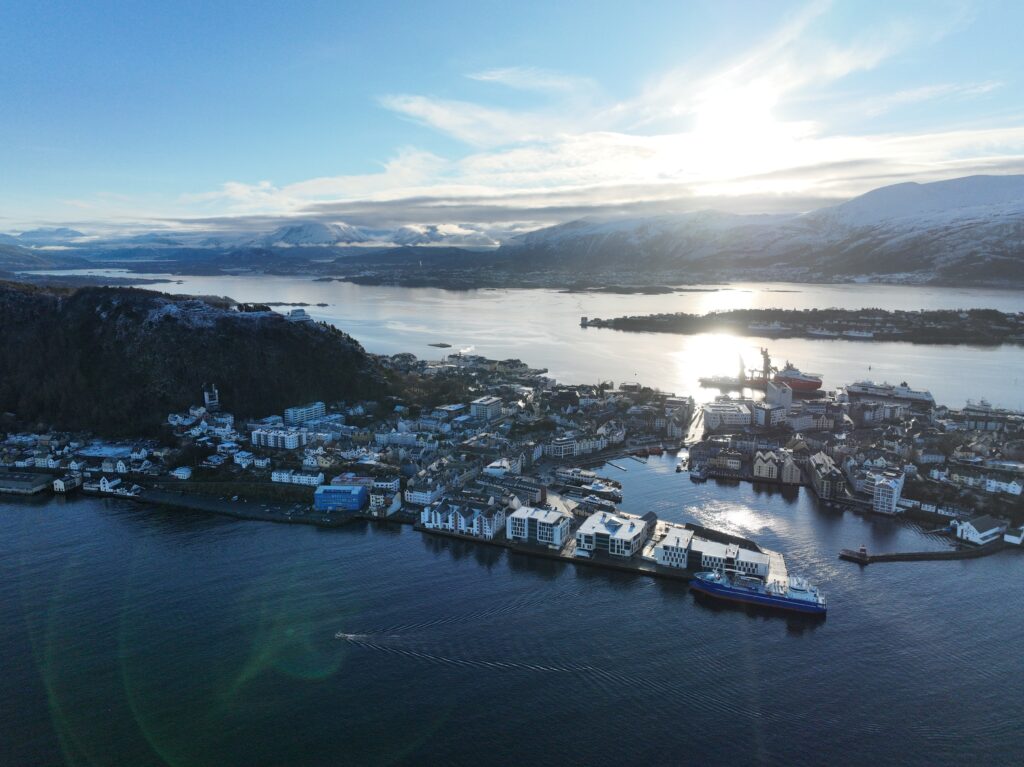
{"x": 889, "y": 391}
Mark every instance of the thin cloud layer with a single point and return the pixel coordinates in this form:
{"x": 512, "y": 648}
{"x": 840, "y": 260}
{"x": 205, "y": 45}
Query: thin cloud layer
{"x": 763, "y": 132}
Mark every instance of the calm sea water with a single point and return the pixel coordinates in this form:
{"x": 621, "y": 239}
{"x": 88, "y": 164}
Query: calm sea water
{"x": 541, "y": 327}
{"x": 137, "y": 636}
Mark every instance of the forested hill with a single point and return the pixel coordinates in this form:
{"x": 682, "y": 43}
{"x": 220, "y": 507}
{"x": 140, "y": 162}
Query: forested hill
{"x": 117, "y": 360}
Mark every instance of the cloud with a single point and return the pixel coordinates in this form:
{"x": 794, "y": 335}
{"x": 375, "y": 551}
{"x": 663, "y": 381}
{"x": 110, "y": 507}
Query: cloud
{"x": 535, "y": 79}
{"x": 882, "y": 104}
{"x": 760, "y": 132}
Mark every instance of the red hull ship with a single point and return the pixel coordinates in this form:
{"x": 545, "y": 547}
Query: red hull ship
{"x": 798, "y": 381}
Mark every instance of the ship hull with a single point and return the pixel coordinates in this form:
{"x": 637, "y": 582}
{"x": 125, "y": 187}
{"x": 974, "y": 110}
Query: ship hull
{"x": 733, "y": 594}
{"x": 799, "y": 384}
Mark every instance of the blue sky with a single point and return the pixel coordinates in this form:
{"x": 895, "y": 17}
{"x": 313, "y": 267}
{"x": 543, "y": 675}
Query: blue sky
{"x": 487, "y": 114}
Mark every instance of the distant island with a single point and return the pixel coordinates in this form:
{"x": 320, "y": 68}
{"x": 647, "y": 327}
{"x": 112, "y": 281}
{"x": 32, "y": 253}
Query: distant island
{"x": 978, "y": 327}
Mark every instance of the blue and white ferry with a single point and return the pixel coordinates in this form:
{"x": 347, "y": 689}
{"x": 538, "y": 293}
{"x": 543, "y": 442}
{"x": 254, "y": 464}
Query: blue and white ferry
{"x": 794, "y": 594}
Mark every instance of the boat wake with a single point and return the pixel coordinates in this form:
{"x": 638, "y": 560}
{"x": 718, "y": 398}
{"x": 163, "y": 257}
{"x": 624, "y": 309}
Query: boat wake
{"x": 365, "y": 641}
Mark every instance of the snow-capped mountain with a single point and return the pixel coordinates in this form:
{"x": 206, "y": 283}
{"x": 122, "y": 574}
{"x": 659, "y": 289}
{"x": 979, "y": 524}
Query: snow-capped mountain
{"x": 443, "y": 234}
{"x": 970, "y": 228}
{"x": 963, "y": 230}
{"x": 313, "y": 233}
{"x": 44, "y": 236}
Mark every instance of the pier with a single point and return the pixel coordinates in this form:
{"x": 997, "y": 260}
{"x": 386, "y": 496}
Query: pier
{"x": 861, "y": 557}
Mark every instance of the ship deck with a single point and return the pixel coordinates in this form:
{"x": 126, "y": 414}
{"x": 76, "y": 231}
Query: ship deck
{"x": 777, "y": 571}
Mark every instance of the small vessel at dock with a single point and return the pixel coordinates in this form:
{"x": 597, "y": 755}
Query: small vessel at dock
{"x": 794, "y": 594}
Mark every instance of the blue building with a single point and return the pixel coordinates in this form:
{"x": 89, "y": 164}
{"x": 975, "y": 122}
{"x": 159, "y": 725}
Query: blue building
{"x": 341, "y": 498}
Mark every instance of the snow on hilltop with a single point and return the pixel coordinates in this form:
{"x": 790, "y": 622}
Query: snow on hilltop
{"x": 974, "y": 197}
{"x": 968, "y": 230}
{"x": 313, "y": 233}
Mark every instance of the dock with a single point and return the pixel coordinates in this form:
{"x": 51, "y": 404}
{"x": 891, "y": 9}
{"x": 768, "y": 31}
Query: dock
{"x": 24, "y": 482}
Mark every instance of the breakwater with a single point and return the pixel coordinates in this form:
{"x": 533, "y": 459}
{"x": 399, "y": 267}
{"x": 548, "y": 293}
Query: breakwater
{"x": 863, "y": 558}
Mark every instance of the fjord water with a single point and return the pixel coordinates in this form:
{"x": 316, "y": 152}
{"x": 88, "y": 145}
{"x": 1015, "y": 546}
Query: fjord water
{"x": 134, "y": 635}
{"x": 542, "y": 327}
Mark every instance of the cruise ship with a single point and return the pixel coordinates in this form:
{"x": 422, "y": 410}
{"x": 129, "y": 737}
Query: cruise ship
{"x": 795, "y": 595}
{"x": 888, "y": 391}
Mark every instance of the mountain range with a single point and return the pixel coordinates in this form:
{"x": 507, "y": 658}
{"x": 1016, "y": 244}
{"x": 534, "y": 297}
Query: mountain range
{"x": 962, "y": 230}
{"x": 969, "y": 228}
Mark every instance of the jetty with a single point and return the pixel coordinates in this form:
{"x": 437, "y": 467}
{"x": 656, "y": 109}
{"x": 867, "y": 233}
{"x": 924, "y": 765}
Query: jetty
{"x": 862, "y": 557}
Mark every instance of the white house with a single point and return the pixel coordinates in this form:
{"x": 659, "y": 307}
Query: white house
{"x": 244, "y": 458}
{"x": 109, "y": 485}
{"x": 980, "y": 530}
{"x": 67, "y": 483}
{"x": 182, "y": 472}
{"x": 547, "y": 527}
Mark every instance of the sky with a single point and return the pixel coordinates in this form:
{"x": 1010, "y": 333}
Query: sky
{"x": 496, "y": 116}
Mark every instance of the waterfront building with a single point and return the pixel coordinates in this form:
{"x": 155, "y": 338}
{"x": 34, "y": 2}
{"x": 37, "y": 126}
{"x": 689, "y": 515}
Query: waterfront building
{"x": 727, "y": 460}
{"x": 766, "y": 465}
{"x": 349, "y": 498}
{"x": 980, "y": 530}
{"x": 826, "y": 478}
{"x": 885, "y": 496}
{"x": 673, "y": 549}
{"x": 486, "y": 408}
{"x": 294, "y": 416}
{"x": 109, "y": 485}
{"x": 728, "y": 556}
{"x": 67, "y": 483}
{"x": 618, "y": 535}
{"x": 481, "y": 516}
{"x": 791, "y": 474}
{"x": 544, "y": 526}
{"x": 182, "y": 472}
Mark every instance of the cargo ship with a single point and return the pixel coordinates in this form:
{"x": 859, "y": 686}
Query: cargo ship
{"x": 795, "y": 594}
{"x": 797, "y": 380}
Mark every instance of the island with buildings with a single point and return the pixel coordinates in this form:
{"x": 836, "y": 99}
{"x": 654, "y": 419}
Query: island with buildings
{"x": 515, "y": 462}
{"x": 978, "y": 327}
